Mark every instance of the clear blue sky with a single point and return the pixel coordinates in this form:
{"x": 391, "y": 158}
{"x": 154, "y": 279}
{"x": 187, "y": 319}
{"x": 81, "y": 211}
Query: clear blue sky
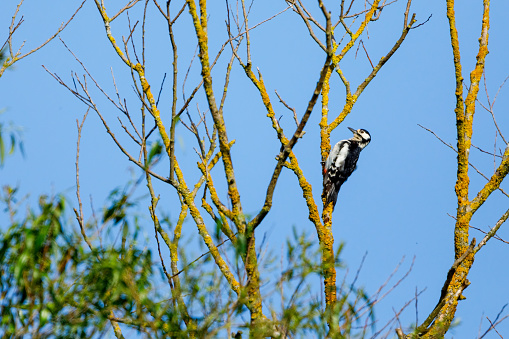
{"x": 395, "y": 205}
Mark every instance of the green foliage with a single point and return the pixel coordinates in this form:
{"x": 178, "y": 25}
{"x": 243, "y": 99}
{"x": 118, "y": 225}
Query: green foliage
{"x": 155, "y": 152}
{"x": 51, "y": 285}
{"x": 14, "y": 135}
{"x": 119, "y": 203}
{"x": 3, "y": 57}
{"x": 304, "y": 312}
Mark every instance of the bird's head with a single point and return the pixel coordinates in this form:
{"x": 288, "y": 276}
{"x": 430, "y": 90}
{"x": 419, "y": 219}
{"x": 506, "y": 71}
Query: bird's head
{"x": 362, "y": 136}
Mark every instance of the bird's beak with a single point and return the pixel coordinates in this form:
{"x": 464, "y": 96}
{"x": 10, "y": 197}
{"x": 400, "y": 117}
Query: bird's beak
{"x": 353, "y": 131}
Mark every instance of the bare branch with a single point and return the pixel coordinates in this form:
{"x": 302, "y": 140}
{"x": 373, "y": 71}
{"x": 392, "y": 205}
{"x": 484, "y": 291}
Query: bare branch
{"x": 306, "y": 20}
{"x": 79, "y": 214}
{"x": 493, "y": 327}
{"x": 14, "y": 57}
{"x": 129, "y": 5}
{"x": 454, "y": 149}
{"x": 290, "y": 108}
{"x": 493, "y": 231}
{"x": 283, "y": 154}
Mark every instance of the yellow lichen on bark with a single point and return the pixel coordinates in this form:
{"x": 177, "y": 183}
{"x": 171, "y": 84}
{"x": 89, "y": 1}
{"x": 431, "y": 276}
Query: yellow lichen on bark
{"x": 177, "y": 234}
{"x": 462, "y": 182}
{"x": 200, "y": 25}
{"x": 202, "y": 230}
{"x": 465, "y": 122}
{"x": 359, "y": 31}
{"x": 464, "y": 133}
{"x": 446, "y": 315}
{"x": 336, "y": 59}
{"x": 329, "y": 272}
{"x": 250, "y": 260}
{"x": 464, "y": 111}
{"x": 307, "y": 193}
{"x": 324, "y": 125}
{"x": 260, "y": 85}
{"x": 107, "y": 21}
{"x": 324, "y": 231}
{"x": 351, "y": 99}
{"x": 493, "y": 183}
{"x": 253, "y": 285}
{"x": 153, "y": 107}
{"x": 213, "y": 192}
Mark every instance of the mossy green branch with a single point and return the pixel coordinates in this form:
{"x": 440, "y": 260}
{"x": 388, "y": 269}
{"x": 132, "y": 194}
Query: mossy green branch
{"x": 254, "y": 298}
{"x": 222, "y": 221}
{"x": 200, "y": 25}
{"x": 328, "y": 260}
{"x": 8, "y": 63}
{"x": 445, "y": 316}
{"x": 177, "y": 233}
{"x": 324, "y": 231}
{"x": 153, "y": 108}
{"x": 141, "y": 74}
{"x": 260, "y": 85}
{"x": 386, "y": 58}
{"x": 175, "y": 281}
{"x": 307, "y": 193}
{"x": 492, "y": 184}
{"x": 202, "y": 230}
{"x": 462, "y": 181}
{"x": 107, "y": 21}
{"x": 350, "y": 100}
{"x": 464, "y": 112}
{"x": 465, "y": 122}
{"x": 116, "y": 328}
{"x": 344, "y": 80}
{"x": 324, "y": 126}
{"x": 325, "y": 236}
{"x": 210, "y": 185}
{"x": 358, "y": 32}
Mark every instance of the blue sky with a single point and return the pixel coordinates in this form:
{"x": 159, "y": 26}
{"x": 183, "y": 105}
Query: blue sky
{"x": 395, "y": 205}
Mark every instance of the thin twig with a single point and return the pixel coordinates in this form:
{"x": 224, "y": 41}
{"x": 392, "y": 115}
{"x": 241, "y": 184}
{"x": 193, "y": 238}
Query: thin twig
{"x": 79, "y": 214}
{"x": 14, "y": 57}
{"x": 495, "y": 322}
{"x": 290, "y": 108}
{"x": 201, "y": 256}
{"x": 493, "y": 231}
{"x": 454, "y": 149}
{"x": 364, "y": 47}
{"x": 493, "y": 327}
{"x": 419, "y": 25}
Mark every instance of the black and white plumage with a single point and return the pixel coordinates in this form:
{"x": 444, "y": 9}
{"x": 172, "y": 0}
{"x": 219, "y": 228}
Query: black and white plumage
{"x": 341, "y": 163}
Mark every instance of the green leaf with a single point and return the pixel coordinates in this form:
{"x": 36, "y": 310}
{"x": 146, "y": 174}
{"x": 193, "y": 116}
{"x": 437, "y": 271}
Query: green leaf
{"x": 13, "y": 143}
{"x": 218, "y": 228}
{"x": 45, "y": 315}
{"x": 155, "y": 150}
{"x": 2, "y": 148}
{"x": 241, "y": 245}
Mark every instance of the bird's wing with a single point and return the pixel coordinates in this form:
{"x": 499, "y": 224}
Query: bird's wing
{"x": 342, "y": 153}
{"x": 334, "y": 153}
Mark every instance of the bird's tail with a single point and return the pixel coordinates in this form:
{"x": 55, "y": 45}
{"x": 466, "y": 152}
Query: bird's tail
{"x": 332, "y": 196}
{"x": 330, "y": 191}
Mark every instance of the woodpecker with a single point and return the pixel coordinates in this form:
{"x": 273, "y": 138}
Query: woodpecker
{"x": 341, "y": 162}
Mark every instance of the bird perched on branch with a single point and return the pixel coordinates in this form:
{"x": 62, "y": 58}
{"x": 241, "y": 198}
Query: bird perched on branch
{"x": 341, "y": 162}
